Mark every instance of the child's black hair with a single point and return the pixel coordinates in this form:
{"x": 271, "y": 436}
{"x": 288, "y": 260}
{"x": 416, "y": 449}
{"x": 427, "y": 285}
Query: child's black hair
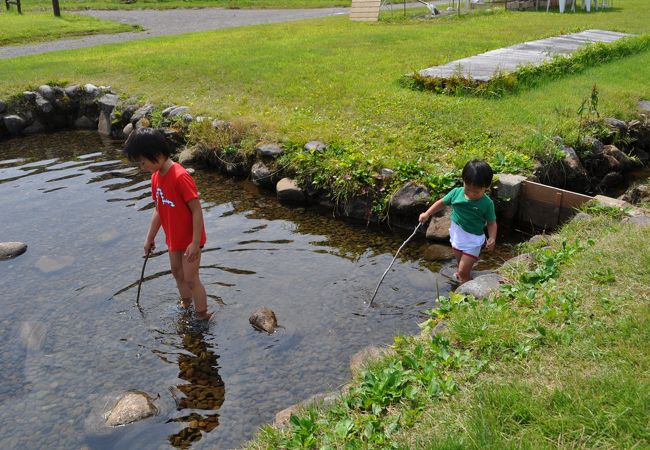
{"x": 478, "y": 173}
{"x": 146, "y": 143}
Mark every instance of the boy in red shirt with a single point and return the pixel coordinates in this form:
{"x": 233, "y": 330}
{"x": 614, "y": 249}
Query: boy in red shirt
{"x": 178, "y": 211}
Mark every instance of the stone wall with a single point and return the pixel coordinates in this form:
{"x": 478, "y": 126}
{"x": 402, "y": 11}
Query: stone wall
{"x": 50, "y": 108}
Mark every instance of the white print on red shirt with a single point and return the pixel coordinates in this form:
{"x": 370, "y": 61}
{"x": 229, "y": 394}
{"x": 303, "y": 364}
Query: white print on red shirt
{"x": 159, "y": 194}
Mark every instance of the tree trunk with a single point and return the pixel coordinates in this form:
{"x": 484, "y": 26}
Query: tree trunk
{"x": 55, "y": 6}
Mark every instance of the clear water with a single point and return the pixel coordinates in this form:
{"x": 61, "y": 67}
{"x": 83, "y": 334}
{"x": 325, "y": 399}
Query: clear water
{"x": 73, "y": 340}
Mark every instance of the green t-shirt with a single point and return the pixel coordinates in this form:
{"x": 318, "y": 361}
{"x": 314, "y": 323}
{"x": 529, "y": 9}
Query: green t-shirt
{"x": 470, "y": 215}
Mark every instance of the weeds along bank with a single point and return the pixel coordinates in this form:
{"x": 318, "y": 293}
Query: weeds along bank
{"x": 595, "y": 156}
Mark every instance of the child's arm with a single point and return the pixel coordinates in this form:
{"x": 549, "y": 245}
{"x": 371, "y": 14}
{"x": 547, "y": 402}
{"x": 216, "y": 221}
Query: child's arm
{"x": 193, "y": 250}
{"x": 492, "y": 235}
{"x": 154, "y": 226}
{"x": 437, "y": 206}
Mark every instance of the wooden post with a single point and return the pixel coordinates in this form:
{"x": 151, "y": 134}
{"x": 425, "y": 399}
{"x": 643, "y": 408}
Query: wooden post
{"x": 55, "y": 7}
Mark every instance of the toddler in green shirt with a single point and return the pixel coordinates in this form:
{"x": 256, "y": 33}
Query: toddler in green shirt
{"x": 471, "y": 210}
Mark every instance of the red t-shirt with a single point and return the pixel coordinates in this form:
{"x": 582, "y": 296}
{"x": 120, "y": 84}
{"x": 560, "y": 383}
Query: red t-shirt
{"x": 171, "y": 192}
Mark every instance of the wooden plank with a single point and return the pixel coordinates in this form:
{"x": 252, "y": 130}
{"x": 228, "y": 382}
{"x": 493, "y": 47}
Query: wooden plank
{"x": 369, "y": 9}
{"x": 364, "y": 4}
{"x": 365, "y": 10}
{"x": 545, "y": 207}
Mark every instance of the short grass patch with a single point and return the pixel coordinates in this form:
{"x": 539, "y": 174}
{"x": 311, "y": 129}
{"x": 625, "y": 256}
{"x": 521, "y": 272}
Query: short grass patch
{"x": 38, "y": 27}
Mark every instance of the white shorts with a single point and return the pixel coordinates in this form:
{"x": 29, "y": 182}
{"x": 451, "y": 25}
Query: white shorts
{"x": 464, "y": 242}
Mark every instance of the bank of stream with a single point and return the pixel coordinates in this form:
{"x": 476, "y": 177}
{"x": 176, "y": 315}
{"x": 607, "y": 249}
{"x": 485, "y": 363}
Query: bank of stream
{"x": 73, "y": 340}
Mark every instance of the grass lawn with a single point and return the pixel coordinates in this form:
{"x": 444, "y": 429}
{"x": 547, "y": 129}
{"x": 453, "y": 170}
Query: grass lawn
{"x": 71, "y": 5}
{"x": 336, "y": 80}
{"x": 587, "y": 385}
{"x": 36, "y": 27}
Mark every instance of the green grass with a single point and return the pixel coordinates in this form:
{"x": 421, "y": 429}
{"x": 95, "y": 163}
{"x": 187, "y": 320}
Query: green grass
{"x": 37, "y": 27}
{"x": 333, "y": 79}
{"x": 558, "y": 359}
{"x": 72, "y": 5}
{"x": 586, "y": 384}
{"x": 340, "y": 81}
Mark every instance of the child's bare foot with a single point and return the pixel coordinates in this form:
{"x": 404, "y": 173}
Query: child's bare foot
{"x": 203, "y": 315}
{"x": 459, "y": 278}
{"x": 185, "y": 302}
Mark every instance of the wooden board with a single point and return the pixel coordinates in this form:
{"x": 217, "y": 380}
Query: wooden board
{"x": 365, "y": 10}
{"x": 545, "y": 207}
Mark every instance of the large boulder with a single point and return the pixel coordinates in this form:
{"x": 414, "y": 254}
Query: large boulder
{"x": 35, "y": 128}
{"x": 131, "y": 407}
{"x": 175, "y": 111}
{"x": 44, "y": 105}
{"x": 289, "y": 193}
{"x": 640, "y": 220}
{"x": 263, "y": 319}
{"x": 410, "y": 200}
{"x": 142, "y": 113}
{"x": 263, "y": 176}
{"x": 360, "y": 208}
{"x": 282, "y": 418}
{"x": 12, "y": 249}
{"x": 566, "y": 173}
{"x": 269, "y": 150}
{"x": 73, "y": 91}
{"x": 361, "y": 359}
{"x": 47, "y": 92}
{"x": 638, "y": 194}
{"x": 507, "y": 189}
{"x": 14, "y": 124}
{"x": 107, "y": 104}
{"x": 438, "y": 228}
{"x": 315, "y": 146}
{"x": 482, "y": 286}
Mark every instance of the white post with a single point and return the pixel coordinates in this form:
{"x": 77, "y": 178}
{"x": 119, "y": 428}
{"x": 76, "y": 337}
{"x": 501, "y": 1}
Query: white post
{"x": 562, "y": 5}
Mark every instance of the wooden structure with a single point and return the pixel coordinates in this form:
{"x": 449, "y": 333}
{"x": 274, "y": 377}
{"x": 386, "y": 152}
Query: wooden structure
{"x": 8, "y": 3}
{"x": 545, "y": 207}
{"x": 365, "y": 10}
{"x": 487, "y": 65}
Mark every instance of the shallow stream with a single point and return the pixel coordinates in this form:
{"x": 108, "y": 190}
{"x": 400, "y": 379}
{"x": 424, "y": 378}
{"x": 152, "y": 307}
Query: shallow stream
{"x": 73, "y": 341}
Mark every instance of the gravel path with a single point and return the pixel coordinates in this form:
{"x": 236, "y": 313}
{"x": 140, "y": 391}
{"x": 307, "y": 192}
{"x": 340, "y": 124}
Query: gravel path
{"x": 166, "y": 22}
{"x": 179, "y": 21}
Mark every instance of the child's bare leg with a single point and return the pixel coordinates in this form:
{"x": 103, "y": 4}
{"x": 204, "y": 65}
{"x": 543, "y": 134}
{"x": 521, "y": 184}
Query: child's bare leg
{"x": 192, "y": 280}
{"x": 458, "y": 254}
{"x": 465, "y": 267}
{"x": 176, "y": 263}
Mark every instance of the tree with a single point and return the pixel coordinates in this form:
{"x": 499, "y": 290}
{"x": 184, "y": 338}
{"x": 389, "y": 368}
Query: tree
{"x": 55, "y": 6}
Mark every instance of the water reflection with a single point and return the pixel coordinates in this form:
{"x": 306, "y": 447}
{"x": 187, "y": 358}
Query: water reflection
{"x": 204, "y": 391}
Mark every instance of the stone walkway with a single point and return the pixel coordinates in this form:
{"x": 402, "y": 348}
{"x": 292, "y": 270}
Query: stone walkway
{"x": 503, "y": 60}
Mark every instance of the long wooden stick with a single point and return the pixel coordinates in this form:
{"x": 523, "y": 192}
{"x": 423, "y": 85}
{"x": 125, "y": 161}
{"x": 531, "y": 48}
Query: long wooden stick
{"x": 137, "y": 298}
{"x": 391, "y": 263}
